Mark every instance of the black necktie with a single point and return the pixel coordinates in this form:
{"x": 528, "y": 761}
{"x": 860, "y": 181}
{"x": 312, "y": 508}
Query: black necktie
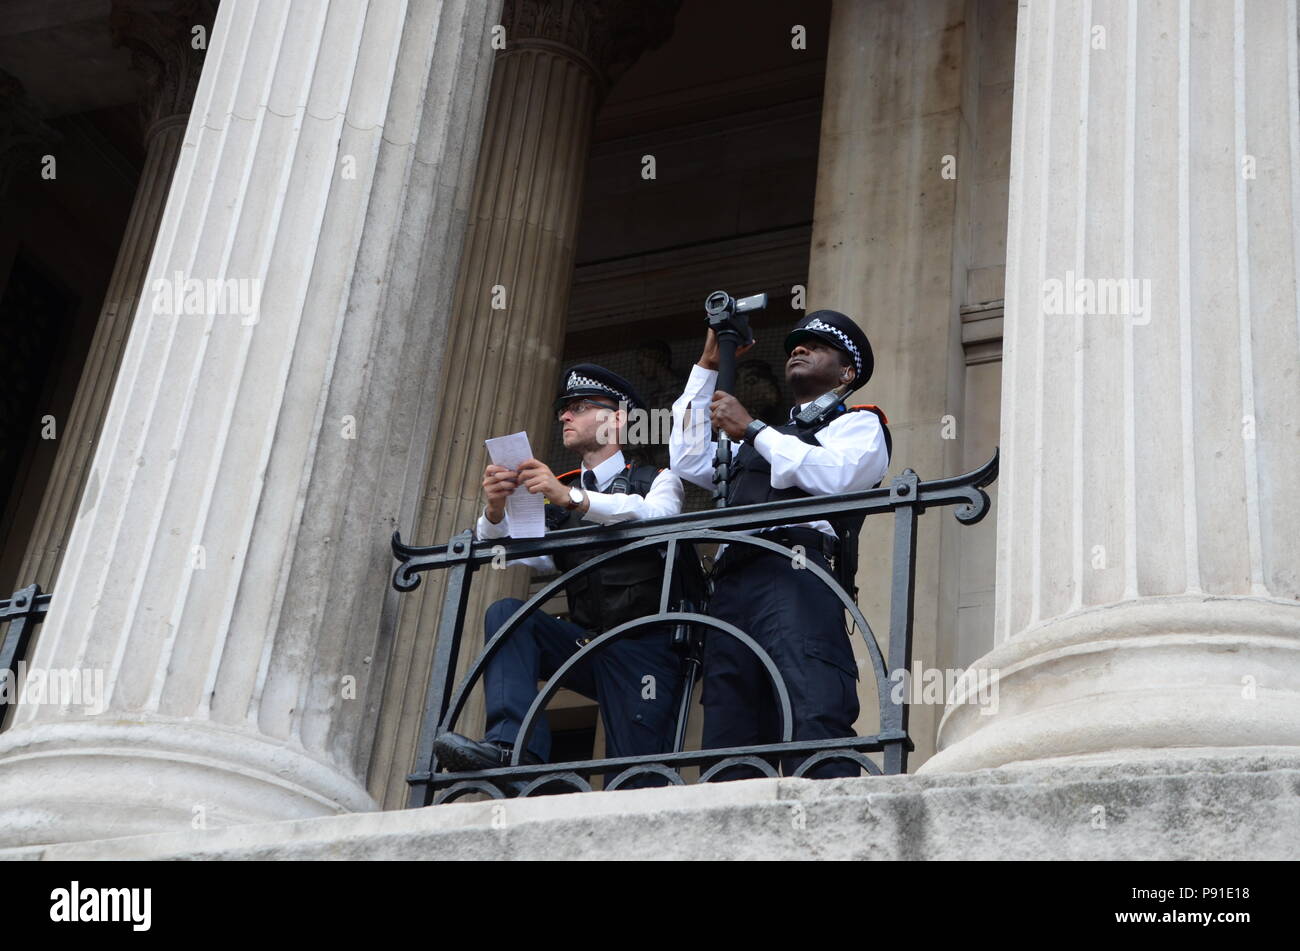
{"x": 589, "y": 481}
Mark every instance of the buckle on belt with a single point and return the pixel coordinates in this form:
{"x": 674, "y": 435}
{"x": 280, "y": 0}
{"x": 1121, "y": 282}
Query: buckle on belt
{"x": 737, "y": 555}
{"x": 817, "y": 541}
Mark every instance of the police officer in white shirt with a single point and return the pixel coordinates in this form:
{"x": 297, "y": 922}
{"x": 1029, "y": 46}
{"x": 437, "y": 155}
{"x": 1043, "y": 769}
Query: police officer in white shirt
{"x": 788, "y": 611}
{"x": 607, "y": 488}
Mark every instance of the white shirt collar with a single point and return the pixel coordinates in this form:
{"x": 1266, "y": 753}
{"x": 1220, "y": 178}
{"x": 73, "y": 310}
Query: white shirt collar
{"x": 606, "y": 471}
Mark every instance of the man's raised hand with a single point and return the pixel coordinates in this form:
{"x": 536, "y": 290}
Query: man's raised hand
{"x": 537, "y": 477}
{"x": 729, "y": 415}
{"x": 712, "y": 355}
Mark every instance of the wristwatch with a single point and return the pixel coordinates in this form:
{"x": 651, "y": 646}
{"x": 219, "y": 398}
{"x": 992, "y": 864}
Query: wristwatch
{"x": 752, "y": 430}
{"x": 576, "y": 496}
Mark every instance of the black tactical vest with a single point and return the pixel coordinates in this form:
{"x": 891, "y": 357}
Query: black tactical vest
{"x": 750, "y": 477}
{"x": 623, "y": 588}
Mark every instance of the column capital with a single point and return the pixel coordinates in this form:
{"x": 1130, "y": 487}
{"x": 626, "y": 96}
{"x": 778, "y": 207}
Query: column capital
{"x": 160, "y": 37}
{"x": 609, "y": 35}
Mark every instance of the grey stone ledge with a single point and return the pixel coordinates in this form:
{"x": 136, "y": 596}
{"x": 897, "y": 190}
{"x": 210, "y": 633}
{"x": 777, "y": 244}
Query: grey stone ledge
{"x": 1234, "y": 805}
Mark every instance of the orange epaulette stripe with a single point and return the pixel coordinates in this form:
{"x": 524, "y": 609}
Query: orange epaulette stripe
{"x": 565, "y": 475}
{"x": 875, "y": 409}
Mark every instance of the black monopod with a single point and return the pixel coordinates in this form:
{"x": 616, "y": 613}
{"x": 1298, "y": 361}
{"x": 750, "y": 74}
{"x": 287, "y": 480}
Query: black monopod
{"x": 729, "y": 319}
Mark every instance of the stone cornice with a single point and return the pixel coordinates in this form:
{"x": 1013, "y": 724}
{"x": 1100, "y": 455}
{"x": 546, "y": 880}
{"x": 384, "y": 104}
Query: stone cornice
{"x": 981, "y": 331}
{"x": 677, "y": 280}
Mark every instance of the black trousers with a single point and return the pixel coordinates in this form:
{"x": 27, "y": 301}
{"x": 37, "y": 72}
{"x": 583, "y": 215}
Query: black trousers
{"x": 635, "y": 681}
{"x": 800, "y": 623}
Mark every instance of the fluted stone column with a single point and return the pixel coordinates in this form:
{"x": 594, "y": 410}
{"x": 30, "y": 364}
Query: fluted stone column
{"x": 159, "y": 37}
{"x": 1149, "y": 538}
{"x": 887, "y": 234}
{"x": 559, "y": 59}
{"x": 228, "y": 567}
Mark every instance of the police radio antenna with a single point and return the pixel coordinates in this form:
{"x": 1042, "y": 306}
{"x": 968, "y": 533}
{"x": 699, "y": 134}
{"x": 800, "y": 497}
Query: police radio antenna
{"x": 728, "y": 317}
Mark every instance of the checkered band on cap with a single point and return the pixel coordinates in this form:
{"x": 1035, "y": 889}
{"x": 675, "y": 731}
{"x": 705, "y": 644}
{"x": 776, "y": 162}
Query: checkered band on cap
{"x": 848, "y": 344}
{"x": 578, "y": 380}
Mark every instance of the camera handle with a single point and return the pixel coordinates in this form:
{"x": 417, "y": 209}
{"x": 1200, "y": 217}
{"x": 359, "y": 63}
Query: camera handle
{"x": 729, "y": 320}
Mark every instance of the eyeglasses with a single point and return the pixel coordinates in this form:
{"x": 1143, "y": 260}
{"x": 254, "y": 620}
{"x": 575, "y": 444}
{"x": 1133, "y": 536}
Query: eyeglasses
{"x": 578, "y": 407}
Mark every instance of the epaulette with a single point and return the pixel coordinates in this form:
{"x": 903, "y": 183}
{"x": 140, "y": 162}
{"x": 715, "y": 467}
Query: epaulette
{"x": 884, "y": 425}
{"x": 874, "y": 408}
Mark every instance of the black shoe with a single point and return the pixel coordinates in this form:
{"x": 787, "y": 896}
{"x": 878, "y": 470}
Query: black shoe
{"x": 460, "y": 754}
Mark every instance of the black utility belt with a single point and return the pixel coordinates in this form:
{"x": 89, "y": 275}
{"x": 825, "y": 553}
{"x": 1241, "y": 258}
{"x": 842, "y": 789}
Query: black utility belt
{"x": 811, "y": 539}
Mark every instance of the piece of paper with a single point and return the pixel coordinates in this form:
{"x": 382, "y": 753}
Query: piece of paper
{"x": 524, "y": 509}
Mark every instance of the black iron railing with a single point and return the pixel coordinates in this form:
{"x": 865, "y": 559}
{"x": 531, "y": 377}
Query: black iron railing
{"x": 19, "y": 616}
{"x": 907, "y": 497}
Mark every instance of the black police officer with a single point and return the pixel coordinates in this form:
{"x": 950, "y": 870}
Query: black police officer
{"x": 788, "y": 611}
{"x": 633, "y": 679}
